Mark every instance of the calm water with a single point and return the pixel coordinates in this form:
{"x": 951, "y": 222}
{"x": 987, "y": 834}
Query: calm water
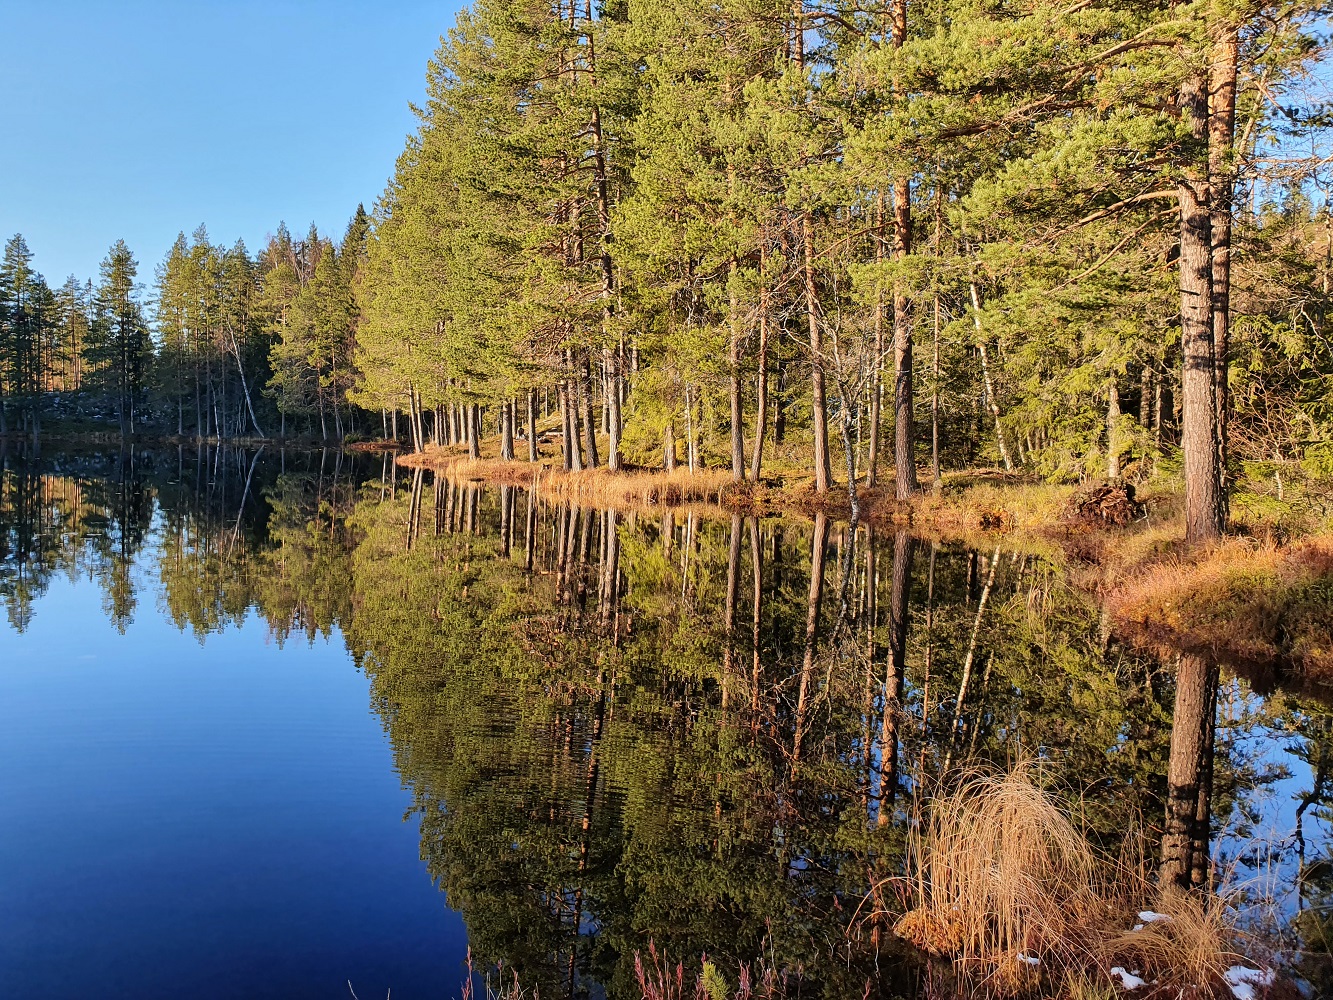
{"x": 274, "y": 723}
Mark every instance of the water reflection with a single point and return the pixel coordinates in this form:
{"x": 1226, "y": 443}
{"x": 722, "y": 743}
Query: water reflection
{"x": 708, "y": 732}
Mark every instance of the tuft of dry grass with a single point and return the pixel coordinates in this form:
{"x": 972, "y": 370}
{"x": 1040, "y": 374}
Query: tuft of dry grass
{"x": 1193, "y": 946}
{"x": 1010, "y": 891}
{"x": 1002, "y": 877}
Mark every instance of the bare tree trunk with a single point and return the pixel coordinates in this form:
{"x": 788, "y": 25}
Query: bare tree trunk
{"x": 507, "y": 430}
{"x": 904, "y": 457}
{"x": 669, "y": 448}
{"x": 691, "y": 447}
{"x": 589, "y": 415}
{"x": 532, "y": 425}
{"x": 729, "y": 607}
{"x": 1221, "y": 183}
{"x": 936, "y": 481}
{"x": 474, "y": 432}
{"x": 991, "y": 401}
{"x": 757, "y": 566}
{"x": 1204, "y": 511}
{"x": 970, "y": 659}
{"x": 761, "y": 413}
{"x": 734, "y": 380}
{"x": 877, "y": 380}
{"x": 612, "y": 363}
{"x": 1112, "y": 431}
{"x": 904, "y": 419}
{"x": 823, "y": 462}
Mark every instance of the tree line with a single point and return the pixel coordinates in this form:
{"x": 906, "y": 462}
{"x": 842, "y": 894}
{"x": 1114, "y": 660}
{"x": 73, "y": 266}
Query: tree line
{"x": 1071, "y": 238}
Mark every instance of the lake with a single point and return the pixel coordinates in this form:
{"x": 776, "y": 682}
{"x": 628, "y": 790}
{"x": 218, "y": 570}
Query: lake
{"x": 277, "y": 723}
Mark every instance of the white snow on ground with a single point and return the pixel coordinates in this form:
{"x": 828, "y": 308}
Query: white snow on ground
{"x": 1029, "y": 959}
{"x": 1128, "y": 980}
{"x": 1149, "y": 917}
{"x": 1243, "y": 981}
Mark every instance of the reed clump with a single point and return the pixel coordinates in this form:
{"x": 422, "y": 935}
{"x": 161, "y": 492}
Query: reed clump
{"x": 1004, "y": 881}
{"x": 1006, "y": 888}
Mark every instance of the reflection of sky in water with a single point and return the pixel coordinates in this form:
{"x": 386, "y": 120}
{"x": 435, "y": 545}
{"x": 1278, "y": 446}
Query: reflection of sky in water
{"x": 222, "y": 819}
{"x": 1258, "y": 850}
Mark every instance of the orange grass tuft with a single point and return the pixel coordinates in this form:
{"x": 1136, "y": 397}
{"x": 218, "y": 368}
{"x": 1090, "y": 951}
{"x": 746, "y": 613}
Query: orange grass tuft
{"x": 1010, "y": 891}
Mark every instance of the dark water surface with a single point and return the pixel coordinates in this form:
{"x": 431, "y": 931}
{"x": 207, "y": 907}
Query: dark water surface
{"x": 273, "y": 723}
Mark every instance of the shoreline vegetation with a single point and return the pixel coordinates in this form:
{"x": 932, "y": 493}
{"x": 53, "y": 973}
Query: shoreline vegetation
{"x": 1260, "y": 603}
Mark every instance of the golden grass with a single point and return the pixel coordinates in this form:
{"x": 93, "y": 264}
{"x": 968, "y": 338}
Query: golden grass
{"x": 1010, "y": 891}
{"x": 628, "y": 489}
{"x": 1194, "y": 946}
{"x": 1001, "y": 874}
{"x": 1252, "y": 605}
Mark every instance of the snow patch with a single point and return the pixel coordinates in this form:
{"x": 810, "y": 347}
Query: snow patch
{"x": 1128, "y": 980}
{"x": 1243, "y": 980}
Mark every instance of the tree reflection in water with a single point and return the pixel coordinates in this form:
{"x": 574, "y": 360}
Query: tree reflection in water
{"x": 708, "y": 732}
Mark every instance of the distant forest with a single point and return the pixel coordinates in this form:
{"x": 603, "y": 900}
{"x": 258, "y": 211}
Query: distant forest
{"x": 1080, "y": 239}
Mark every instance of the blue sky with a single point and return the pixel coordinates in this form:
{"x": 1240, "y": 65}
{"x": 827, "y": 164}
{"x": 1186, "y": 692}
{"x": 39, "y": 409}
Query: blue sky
{"x": 142, "y": 118}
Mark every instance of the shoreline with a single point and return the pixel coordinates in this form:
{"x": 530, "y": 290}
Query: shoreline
{"x": 1254, "y": 602}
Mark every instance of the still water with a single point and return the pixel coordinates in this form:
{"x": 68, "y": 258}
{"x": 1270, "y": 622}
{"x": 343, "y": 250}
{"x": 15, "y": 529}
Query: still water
{"x": 271, "y": 724}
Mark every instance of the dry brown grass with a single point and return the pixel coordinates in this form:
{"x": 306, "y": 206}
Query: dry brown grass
{"x": 1007, "y": 888}
{"x": 1191, "y": 949}
{"x": 1001, "y": 872}
{"x": 1255, "y": 606}
{"x": 627, "y": 489}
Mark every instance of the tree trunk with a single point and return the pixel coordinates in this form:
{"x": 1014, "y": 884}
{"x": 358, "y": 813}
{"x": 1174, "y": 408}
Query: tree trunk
{"x": 734, "y": 378}
{"x": 1112, "y": 432}
{"x": 568, "y": 441}
{"x": 614, "y": 418}
{"x": 474, "y": 431}
{"x": 904, "y": 457}
{"x": 1221, "y": 184}
{"x": 761, "y": 411}
{"x": 669, "y": 447}
{"x": 818, "y": 544}
{"x": 991, "y": 402}
{"x": 507, "y": 430}
{"x": 823, "y": 466}
{"x": 729, "y": 606}
{"x": 1204, "y": 511}
{"x": 877, "y": 380}
{"x": 532, "y": 425}
{"x": 589, "y": 414}
{"x": 691, "y": 448}
{"x": 936, "y": 480}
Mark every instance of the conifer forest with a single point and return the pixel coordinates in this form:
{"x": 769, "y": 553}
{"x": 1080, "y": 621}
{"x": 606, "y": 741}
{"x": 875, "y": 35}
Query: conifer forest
{"x": 826, "y": 498}
{"x": 868, "y": 241}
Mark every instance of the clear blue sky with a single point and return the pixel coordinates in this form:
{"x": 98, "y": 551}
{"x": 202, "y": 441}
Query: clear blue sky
{"x": 138, "y": 119}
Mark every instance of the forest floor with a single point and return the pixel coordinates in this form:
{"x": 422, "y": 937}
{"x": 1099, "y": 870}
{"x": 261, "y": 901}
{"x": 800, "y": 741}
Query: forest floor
{"x": 1259, "y": 601}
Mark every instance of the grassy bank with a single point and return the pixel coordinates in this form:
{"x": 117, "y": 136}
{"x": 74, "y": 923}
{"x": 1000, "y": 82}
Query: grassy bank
{"x": 1260, "y": 602}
